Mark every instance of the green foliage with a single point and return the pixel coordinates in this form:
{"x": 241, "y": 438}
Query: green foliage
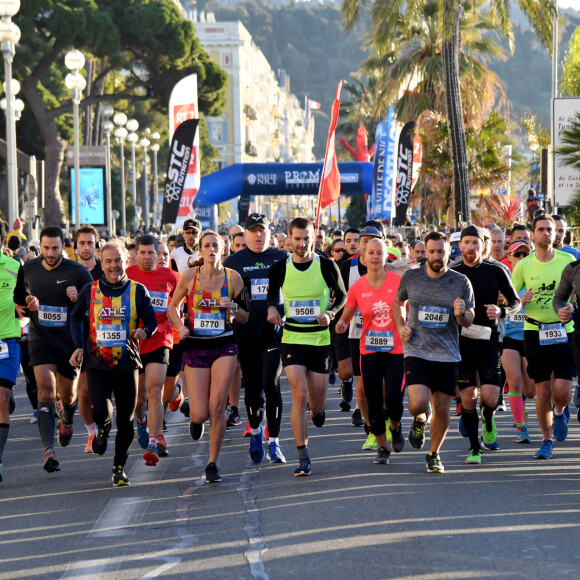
{"x": 573, "y": 210}
{"x": 207, "y": 152}
{"x": 356, "y": 212}
{"x": 570, "y": 82}
{"x": 569, "y": 151}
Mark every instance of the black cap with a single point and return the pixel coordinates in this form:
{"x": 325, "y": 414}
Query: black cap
{"x": 192, "y": 224}
{"x": 472, "y": 231}
{"x": 256, "y": 219}
{"x": 370, "y": 231}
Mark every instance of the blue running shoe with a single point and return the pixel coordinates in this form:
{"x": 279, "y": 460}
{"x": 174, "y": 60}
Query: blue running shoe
{"x": 545, "y": 451}
{"x": 560, "y": 427}
{"x": 142, "y": 434}
{"x": 257, "y": 452}
{"x": 461, "y": 427}
{"x": 304, "y": 467}
{"x": 151, "y": 456}
{"x": 494, "y": 446}
{"x": 567, "y": 413}
{"x": 275, "y": 454}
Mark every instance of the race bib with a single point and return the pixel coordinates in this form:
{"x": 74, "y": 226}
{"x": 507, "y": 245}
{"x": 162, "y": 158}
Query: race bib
{"x": 433, "y": 316}
{"x": 159, "y": 301}
{"x": 259, "y": 288}
{"x": 4, "y": 352}
{"x": 55, "y": 316}
{"x": 379, "y": 340}
{"x": 357, "y": 320}
{"x": 304, "y": 310}
{"x": 109, "y": 335}
{"x": 209, "y": 323}
{"x": 552, "y": 334}
{"x": 476, "y": 332}
{"x": 517, "y": 320}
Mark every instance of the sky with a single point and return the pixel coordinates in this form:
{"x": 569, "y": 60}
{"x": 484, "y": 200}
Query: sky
{"x": 569, "y": 4}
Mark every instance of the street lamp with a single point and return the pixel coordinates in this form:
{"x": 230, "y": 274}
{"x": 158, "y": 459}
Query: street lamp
{"x": 107, "y": 112}
{"x": 156, "y": 205}
{"x": 9, "y": 37}
{"x": 121, "y": 133}
{"x": 144, "y": 142}
{"x": 75, "y": 61}
{"x": 132, "y": 126}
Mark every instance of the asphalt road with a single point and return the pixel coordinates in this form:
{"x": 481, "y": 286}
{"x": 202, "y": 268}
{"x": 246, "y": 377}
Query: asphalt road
{"x": 511, "y": 517}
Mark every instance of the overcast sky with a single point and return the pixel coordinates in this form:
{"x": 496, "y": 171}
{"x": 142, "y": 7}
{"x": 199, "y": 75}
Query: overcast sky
{"x": 569, "y": 4}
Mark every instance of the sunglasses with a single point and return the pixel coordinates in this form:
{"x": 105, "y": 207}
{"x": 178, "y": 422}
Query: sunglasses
{"x": 520, "y": 254}
{"x": 338, "y": 250}
{"x": 190, "y": 231}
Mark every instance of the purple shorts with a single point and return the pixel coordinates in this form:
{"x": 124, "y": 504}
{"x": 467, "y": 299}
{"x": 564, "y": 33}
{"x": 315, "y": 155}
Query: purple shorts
{"x": 203, "y": 358}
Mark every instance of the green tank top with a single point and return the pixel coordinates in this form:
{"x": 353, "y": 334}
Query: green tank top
{"x": 9, "y": 323}
{"x": 306, "y": 296}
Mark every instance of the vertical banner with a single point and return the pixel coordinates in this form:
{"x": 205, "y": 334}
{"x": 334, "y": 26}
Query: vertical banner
{"x": 375, "y": 202}
{"x": 417, "y": 160}
{"x": 180, "y": 154}
{"x": 404, "y": 173}
{"x": 183, "y": 107}
{"x": 390, "y": 164}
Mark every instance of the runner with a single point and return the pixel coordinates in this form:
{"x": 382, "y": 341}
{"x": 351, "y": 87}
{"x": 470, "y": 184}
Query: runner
{"x": 258, "y": 341}
{"x": 430, "y": 338}
{"x": 479, "y": 345}
{"x": 188, "y": 252}
{"x": 547, "y": 339}
{"x": 213, "y": 295}
{"x": 116, "y": 306}
{"x": 560, "y": 226}
{"x": 306, "y": 281}
{"x": 54, "y": 283}
{"x": 154, "y": 351}
{"x": 381, "y": 360}
{"x": 238, "y": 242}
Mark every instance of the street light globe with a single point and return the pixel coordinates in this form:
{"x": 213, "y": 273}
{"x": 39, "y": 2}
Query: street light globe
{"x": 144, "y": 142}
{"x": 155, "y": 147}
{"x": 9, "y": 32}
{"x": 9, "y": 7}
{"x": 108, "y": 126}
{"x": 132, "y": 125}
{"x": 14, "y": 86}
{"x": 74, "y": 60}
{"x": 120, "y": 119}
{"x": 75, "y": 81}
{"x": 107, "y": 110}
{"x": 18, "y": 106}
{"x": 155, "y": 135}
{"x": 121, "y": 133}
{"x": 132, "y": 137}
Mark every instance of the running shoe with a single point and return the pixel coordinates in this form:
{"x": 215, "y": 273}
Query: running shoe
{"x": 461, "y": 427}
{"x": 388, "y": 430}
{"x": 99, "y": 443}
{"x": 523, "y": 435}
{"x": 545, "y": 450}
{"x": 212, "y": 473}
{"x": 34, "y": 418}
{"x": 489, "y": 431}
{"x": 501, "y": 404}
{"x": 318, "y": 418}
{"x": 257, "y": 452}
{"x": 119, "y": 476}
{"x": 233, "y": 420}
{"x": 398, "y": 439}
{"x": 458, "y": 409}
{"x": 434, "y": 464}
{"x": 151, "y": 456}
{"x": 344, "y": 406}
{"x": 176, "y": 404}
{"x": 162, "y": 446}
{"x": 474, "y": 457}
{"x": 371, "y": 443}
{"x": 382, "y": 457}
{"x": 196, "y": 430}
{"x": 576, "y": 398}
{"x": 304, "y": 467}
{"x": 275, "y": 454}
{"x": 248, "y": 430}
{"x": 65, "y": 432}
{"x": 491, "y": 446}
{"x": 12, "y": 402}
{"x": 567, "y": 413}
{"x": 560, "y": 429}
{"x": 89, "y": 445}
{"x": 357, "y": 418}
{"x": 185, "y": 407}
{"x": 142, "y": 433}
{"x": 51, "y": 462}
{"x": 417, "y": 434}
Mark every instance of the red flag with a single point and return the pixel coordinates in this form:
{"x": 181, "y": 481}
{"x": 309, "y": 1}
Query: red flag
{"x": 329, "y": 189}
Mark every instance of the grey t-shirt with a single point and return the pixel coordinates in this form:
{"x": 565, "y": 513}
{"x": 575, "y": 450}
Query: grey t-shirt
{"x": 435, "y": 331}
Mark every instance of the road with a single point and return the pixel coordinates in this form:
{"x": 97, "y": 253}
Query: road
{"x": 513, "y": 516}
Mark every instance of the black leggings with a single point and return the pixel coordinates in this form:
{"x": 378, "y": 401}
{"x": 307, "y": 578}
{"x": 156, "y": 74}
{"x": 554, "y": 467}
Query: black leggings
{"x": 261, "y": 368}
{"x": 123, "y": 384}
{"x": 31, "y": 388}
{"x": 376, "y": 368}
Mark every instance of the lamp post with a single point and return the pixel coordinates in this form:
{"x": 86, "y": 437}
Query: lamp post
{"x": 120, "y": 119}
{"x": 107, "y": 112}
{"x": 9, "y": 37}
{"x": 156, "y": 205}
{"x": 144, "y": 142}
{"x": 132, "y": 126}
{"x": 75, "y": 61}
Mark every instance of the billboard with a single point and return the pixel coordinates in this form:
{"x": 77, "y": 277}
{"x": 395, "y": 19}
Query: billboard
{"x": 93, "y": 198}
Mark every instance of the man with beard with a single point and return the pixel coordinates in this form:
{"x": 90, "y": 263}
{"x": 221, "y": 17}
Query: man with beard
{"x": 181, "y": 256}
{"x": 440, "y": 303}
{"x": 54, "y": 283}
{"x": 479, "y": 345}
{"x": 559, "y": 235}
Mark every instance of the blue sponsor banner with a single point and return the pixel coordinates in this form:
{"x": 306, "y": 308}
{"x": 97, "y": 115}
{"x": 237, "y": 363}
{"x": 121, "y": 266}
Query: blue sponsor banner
{"x": 375, "y": 210}
{"x": 389, "y": 170}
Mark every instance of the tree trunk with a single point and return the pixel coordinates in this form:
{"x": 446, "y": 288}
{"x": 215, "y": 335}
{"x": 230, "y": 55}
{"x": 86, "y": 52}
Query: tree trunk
{"x": 452, "y": 12}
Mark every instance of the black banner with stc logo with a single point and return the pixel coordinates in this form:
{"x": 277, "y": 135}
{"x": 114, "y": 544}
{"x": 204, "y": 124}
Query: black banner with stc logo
{"x": 179, "y": 156}
{"x": 404, "y": 172}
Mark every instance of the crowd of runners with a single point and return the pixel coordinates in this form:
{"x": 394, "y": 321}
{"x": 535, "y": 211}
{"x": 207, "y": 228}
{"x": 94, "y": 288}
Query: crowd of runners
{"x": 462, "y": 322}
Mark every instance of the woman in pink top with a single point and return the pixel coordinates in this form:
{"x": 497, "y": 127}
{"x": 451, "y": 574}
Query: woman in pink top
{"x": 380, "y": 346}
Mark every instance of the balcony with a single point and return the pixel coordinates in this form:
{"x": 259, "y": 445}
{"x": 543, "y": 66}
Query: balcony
{"x": 250, "y": 112}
